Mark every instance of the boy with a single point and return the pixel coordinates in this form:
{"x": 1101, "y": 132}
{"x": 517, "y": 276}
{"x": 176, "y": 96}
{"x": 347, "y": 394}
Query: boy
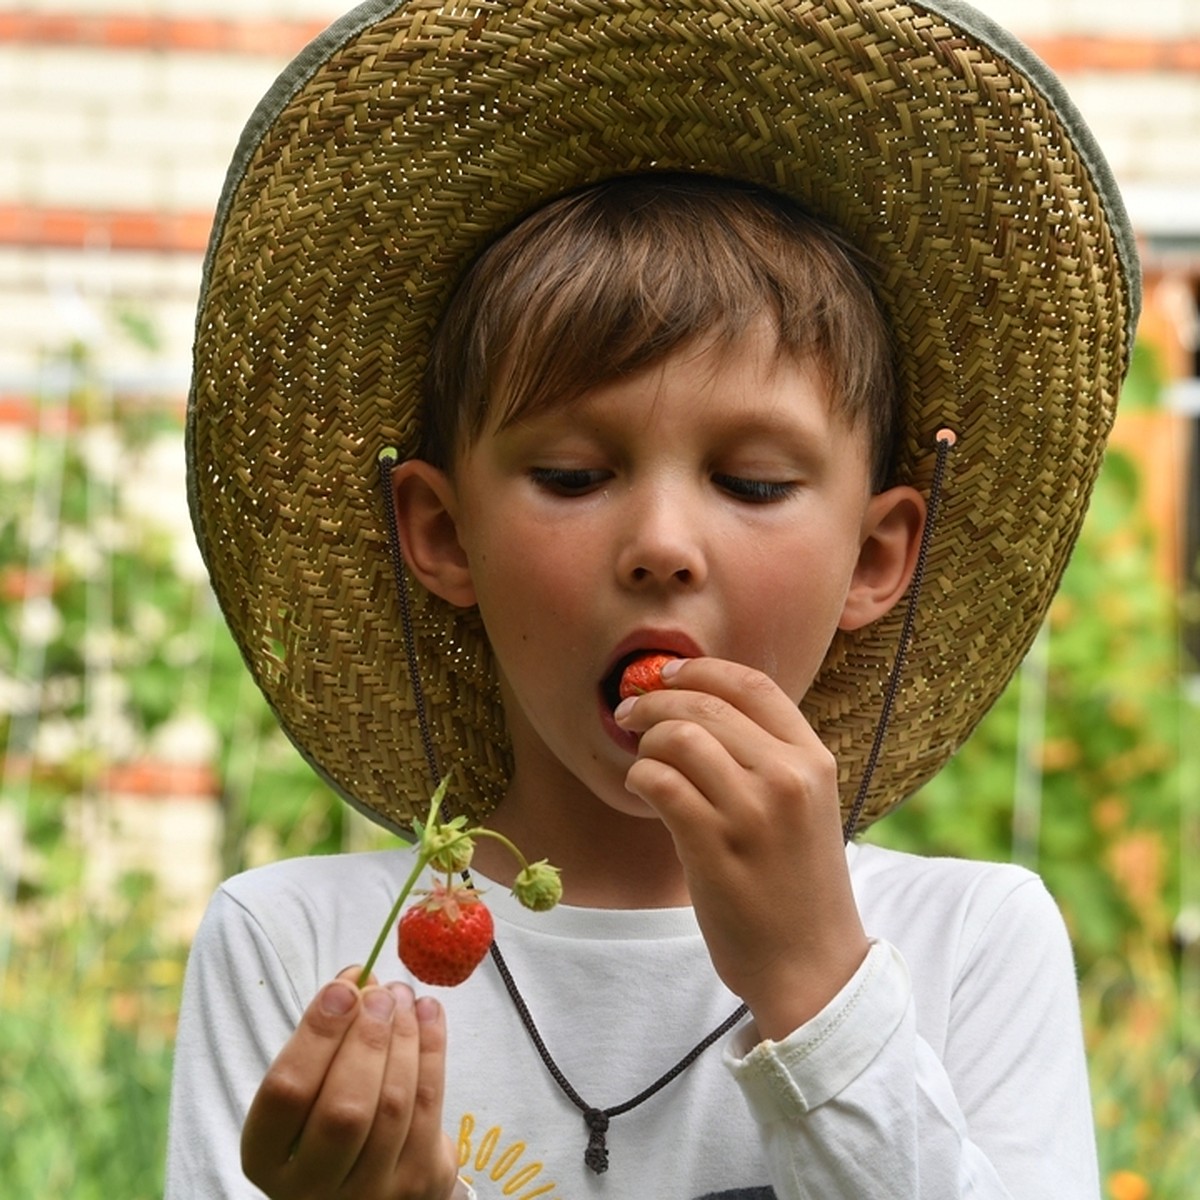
{"x": 658, "y": 413}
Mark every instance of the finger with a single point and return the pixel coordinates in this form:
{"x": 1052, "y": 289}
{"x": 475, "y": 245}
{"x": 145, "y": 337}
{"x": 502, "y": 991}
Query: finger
{"x": 678, "y": 750}
{"x": 729, "y": 762}
{"x": 286, "y": 1096}
{"x": 684, "y": 726}
{"x": 406, "y": 1145}
{"x": 340, "y": 1120}
{"x": 394, "y": 1107}
{"x": 745, "y": 688}
{"x": 714, "y": 761}
{"x": 428, "y": 1152}
{"x": 685, "y": 776}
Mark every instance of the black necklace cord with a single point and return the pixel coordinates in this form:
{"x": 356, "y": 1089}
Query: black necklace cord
{"x": 389, "y": 459}
{"x": 944, "y": 440}
{"x": 597, "y": 1120}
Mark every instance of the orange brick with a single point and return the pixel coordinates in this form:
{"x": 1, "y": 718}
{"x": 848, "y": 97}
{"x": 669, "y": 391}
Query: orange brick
{"x": 196, "y": 33}
{"x": 276, "y": 38}
{"x": 1186, "y": 54}
{"x": 150, "y": 778}
{"x": 62, "y": 227}
{"x": 70, "y": 228}
{"x": 128, "y": 32}
{"x": 1071, "y": 53}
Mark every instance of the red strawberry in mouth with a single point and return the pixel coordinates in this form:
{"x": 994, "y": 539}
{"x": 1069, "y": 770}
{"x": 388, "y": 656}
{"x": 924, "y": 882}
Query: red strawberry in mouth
{"x": 644, "y": 675}
{"x": 637, "y": 668}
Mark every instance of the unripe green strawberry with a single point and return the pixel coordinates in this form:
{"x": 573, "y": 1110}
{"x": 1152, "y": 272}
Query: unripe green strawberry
{"x": 445, "y": 936}
{"x": 538, "y": 886}
{"x": 449, "y": 849}
{"x": 644, "y": 675}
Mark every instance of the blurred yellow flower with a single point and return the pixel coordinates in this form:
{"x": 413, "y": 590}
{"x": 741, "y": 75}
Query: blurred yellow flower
{"x": 1128, "y": 1185}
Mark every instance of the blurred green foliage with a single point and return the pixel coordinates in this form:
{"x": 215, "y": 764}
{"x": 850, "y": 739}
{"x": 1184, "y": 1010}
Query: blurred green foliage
{"x": 103, "y": 597}
{"x": 1104, "y": 750}
{"x": 88, "y": 1004}
{"x": 1085, "y": 769}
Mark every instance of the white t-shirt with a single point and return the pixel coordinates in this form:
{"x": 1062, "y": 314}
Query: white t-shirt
{"x": 951, "y": 1065}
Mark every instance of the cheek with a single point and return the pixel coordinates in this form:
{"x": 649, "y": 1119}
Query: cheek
{"x": 533, "y": 576}
{"x": 533, "y": 603}
{"x": 790, "y": 603}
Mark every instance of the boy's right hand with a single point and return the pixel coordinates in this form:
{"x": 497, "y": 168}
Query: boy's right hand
{"x": 352, "y": 1105}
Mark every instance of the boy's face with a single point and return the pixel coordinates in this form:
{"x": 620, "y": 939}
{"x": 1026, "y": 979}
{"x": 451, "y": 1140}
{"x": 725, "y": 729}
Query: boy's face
{"x": 711, "y": 504}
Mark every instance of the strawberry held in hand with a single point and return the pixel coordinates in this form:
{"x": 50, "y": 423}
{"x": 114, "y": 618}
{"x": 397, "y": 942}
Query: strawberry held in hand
{"x": 445, "y": 936}
{"x": 644, "y": 675}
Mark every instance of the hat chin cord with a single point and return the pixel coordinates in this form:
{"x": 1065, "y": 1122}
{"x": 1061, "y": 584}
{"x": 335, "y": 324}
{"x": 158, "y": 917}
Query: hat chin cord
{"x": 597, "y": 1120}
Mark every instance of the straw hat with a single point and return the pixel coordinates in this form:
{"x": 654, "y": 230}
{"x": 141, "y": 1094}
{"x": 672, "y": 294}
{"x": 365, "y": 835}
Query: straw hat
{"x": 409, "y": 134}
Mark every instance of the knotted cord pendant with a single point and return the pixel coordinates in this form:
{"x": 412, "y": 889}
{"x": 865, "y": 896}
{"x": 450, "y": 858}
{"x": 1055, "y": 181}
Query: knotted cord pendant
{"x": 596, "y": 1154}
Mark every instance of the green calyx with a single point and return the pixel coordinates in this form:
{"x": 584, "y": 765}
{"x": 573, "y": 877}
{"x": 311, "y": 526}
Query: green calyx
{"x": 446, "y": 846}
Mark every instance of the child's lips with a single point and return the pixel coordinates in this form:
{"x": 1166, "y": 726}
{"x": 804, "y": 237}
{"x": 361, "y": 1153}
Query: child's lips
{"x": 624, "y": 738}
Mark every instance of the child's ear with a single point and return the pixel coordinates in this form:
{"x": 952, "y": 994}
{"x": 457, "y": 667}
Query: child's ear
{"x": 427, "y": 521}
{"x": 887, "y": 555}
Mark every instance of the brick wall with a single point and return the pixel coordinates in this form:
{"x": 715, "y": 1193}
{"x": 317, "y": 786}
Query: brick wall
{"x": 118, "y": 117}
{"x": 117, "y": 120}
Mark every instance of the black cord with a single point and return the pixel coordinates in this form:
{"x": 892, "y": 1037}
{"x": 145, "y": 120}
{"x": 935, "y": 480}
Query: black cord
{"x": 389, "y": 458}
{"x": 597, "y": 1119}
{"x": 945, "y": 442}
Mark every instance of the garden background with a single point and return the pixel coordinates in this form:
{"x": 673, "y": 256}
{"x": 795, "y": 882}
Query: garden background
{"x": 139, "y": 765}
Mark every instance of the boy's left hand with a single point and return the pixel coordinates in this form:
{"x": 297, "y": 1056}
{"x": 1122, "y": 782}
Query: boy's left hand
{"x": 749, "y": 794}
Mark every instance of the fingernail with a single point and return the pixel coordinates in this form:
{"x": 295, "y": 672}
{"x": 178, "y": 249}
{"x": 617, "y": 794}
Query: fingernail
{"x": 428, "y": 1009}
{"x": 402, "y": 994}
{"x": 624, "y": 708}
{"x": 379, "y": 1002}
{"x": 671, "y": 668}
{"x": 338, "y": 999}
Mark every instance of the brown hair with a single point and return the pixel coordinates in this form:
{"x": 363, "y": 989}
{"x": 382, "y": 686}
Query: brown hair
{"x": 604, "y": 282}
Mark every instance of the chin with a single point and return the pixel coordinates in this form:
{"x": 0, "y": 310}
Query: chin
{"x": 626, "y": 804}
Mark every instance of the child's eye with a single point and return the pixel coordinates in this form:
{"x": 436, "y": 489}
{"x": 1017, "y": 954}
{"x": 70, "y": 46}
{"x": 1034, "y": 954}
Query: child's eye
{"x": 568, "y": 481}
{"x": 755, "y": 491}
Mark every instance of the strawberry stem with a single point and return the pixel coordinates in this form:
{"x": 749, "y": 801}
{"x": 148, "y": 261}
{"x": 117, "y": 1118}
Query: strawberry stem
{"x": 392, "y": 918}
{"x": 491, "y": 833}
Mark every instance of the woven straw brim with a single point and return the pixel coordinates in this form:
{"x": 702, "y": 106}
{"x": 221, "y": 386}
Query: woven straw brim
{"x": 409, "y": 136}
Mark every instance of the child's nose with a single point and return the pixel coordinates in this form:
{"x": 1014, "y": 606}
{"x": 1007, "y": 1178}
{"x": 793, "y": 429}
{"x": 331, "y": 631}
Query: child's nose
{"x": 663, "y": 546}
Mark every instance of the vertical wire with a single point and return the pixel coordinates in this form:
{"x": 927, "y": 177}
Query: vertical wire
{"x": 1186, "y": 930}
{"x": 48, "y": 453}
{"x": 1031, "y": 736}
{"x": 1187, "y": 925}
{"x": 946, "y": 440}
{"x": 389, "y": 458}
{"x": 96, "y": 815}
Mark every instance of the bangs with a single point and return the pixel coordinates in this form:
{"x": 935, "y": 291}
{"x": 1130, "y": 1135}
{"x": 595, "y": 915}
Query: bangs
{"x": 604, "y": 283}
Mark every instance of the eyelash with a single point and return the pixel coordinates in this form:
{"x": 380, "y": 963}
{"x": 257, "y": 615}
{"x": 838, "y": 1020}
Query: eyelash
{"x": 755, "y": 491}
{"x": 567, "y": 481}
{"x": 572, "y": 481}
